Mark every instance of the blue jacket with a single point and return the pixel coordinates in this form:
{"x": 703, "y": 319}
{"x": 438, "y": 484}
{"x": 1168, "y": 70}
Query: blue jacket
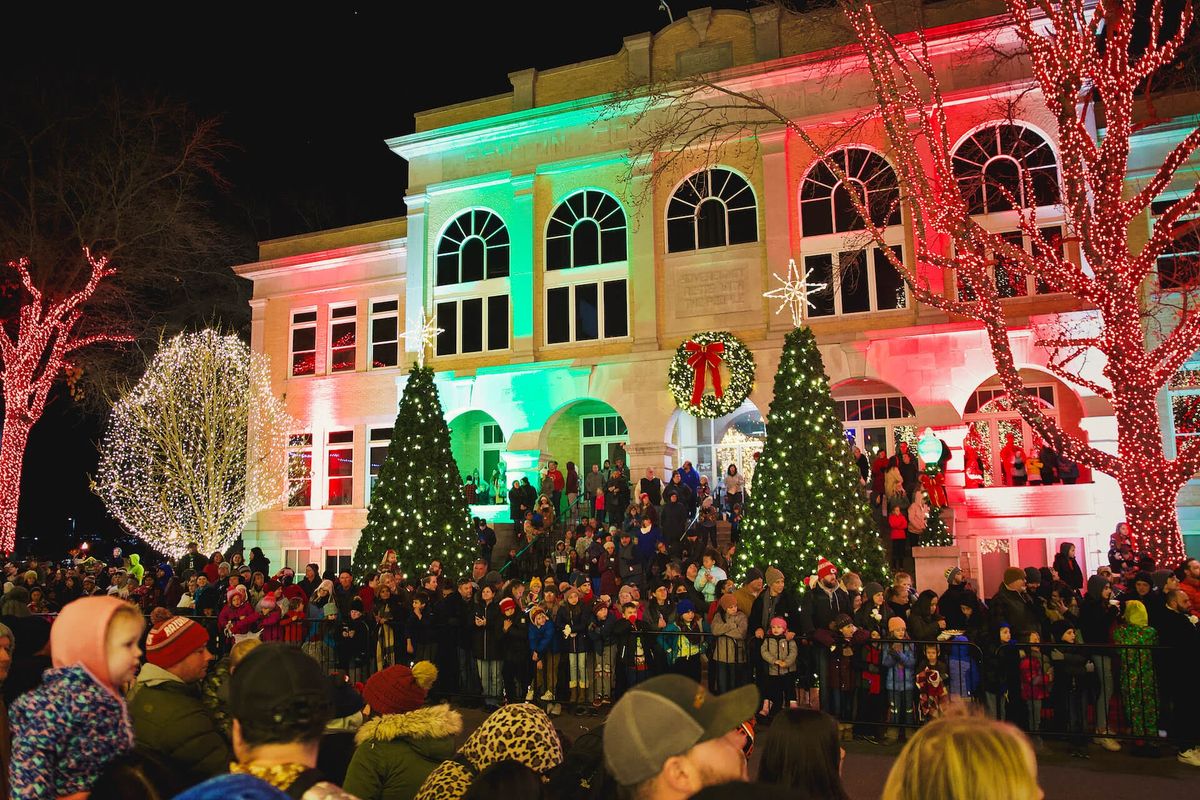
{"x": 542, "y": 640}
{"x": 901, "y": 674}
{"x": 691, "y": 478}
{"x": 64, "y": 733}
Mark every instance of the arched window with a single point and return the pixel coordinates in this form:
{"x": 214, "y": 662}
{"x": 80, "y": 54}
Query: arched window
{"x": 825, "y": 205}
{"x": 586, "y": 229}
{"x": 473, "y": 247}
{"x": 991, "y": 166}
{"x": 712, "y": 208}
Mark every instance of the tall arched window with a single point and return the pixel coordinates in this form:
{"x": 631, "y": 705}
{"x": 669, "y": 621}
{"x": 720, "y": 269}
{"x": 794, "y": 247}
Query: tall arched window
{"x": 825, "y": 205}
{"x": 471, "y": 297}
{"x": 996, "y": 166}
{"x": 712, "y": 208}
{"x": 586, "y": 229}
{"x": 859, "y": 279}
{"x": 990, "y": 166}
{"x": 473, "y": 247}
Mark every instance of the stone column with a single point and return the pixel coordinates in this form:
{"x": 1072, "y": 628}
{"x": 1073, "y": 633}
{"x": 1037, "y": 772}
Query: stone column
{"x": 416, "y": 277}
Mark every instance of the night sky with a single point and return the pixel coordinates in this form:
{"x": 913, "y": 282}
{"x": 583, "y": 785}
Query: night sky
{"x": 308, "y": 93}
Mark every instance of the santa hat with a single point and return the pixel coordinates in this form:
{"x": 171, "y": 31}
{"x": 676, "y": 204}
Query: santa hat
{"x": 173, "y": 641}
{"x": 825, "y": 567}
{"x": 398, "y": 689}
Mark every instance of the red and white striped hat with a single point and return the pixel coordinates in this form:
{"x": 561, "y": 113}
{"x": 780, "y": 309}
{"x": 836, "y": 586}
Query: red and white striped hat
{"x": 173, "y": 641}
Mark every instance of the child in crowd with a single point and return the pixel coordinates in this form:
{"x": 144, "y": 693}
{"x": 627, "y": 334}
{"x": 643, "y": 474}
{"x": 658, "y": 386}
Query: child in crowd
{"x": 572, "y": 622}
{"x": 269, "y": 617}
{"x": 962, "y": 675}
{"x": 75, "y": 723}
{"x": 1073, "y": 671}
{"x": 514, "y": 649}
{"x": 485, "y": 645}
{"x": 779, "y": 654}
{"x": 600, "y": 506}
{"x": 1035, "y": 679}
{"x": 354, "y": 643}
{"x": 684, "y": 650}
{"x": 419, "y": 643}
{"x": 544, "y": 650}
{"x": 844, "y": 640}
{"x": 899, "y": 662}
{"x": 638, "y": 653}
{"x": 931, "y": 683}
{"x": 562, "y": 561}
{"x": 729, "y": 626}
{"x": 872, "y": 705}
{"x": 237, "y": 617}
{"x": 999, "y": 660}
{"x": 601, "y": 630}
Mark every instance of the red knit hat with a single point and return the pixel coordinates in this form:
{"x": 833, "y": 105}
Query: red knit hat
{"x": 824, "y": 567}
{"x": 173, "y": 641}
{"x": 398, "y": 689}
{"x": 506, "y": 604}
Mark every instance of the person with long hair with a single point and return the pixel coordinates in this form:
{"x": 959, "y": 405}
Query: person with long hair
{"x": 802, "y": 754}
{"x": 962, "y": 757}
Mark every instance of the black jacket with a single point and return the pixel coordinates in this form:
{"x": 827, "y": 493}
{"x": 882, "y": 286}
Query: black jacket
{"x": 821, "y": 607}
{"x": 1176, "y": 668}
{"x": 786, "y": 606}
{"x": 1017, "y": 609}
{"x": 673, "y": 520}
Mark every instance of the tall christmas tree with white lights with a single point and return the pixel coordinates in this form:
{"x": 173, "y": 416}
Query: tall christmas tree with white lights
{"x": 418, "y": 507}
{"x": 806, "y": 502}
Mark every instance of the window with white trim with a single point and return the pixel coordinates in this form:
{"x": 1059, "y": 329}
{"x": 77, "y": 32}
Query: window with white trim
{"x": 1178, "y": 266}
{"x": 343, "y": 337}
{"x": 303, "y": 342}
{"x": 586, "y": 229}
{"x": 859, "y": 277}
{"x": 714, "y": 207}
{"x": 339, "y": 469}
{"x": 471, "y": 299}
{"x": 1184, "y": 393}
{"x": 337, "y": 561}
{"x": 299, "y": 558}
{"x": 299, "y": 463}
{"x": 1000, "y": 164}
{"x": 582, "y": 312}
{"x": 385, "y": 333}
{"x": 377, "y": 448}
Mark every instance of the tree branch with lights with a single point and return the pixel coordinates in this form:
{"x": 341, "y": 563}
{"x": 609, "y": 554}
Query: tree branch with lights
{"x": 1083, "y": 62}
{"x": 197, "y": 446}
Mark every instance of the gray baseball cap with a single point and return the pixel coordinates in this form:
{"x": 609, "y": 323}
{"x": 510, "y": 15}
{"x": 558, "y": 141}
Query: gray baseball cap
{"x": 667, "y": 716}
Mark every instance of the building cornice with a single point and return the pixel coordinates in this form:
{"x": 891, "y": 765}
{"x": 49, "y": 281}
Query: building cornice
{"x": 323, "y": 260}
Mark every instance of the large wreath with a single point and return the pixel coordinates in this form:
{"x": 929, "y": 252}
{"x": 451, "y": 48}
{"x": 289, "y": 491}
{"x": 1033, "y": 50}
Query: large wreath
{"x": 712, "y": 374}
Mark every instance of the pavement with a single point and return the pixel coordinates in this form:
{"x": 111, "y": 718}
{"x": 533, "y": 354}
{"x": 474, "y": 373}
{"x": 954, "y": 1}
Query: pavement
{"x": 1111, "y": 776}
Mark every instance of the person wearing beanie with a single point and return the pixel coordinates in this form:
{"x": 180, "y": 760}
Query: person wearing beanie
{"x": 749, "y": 591}
{"x": 779, "y": 652}
{"x": 685, "y": 640}
{"x": 353, "y": 641}
{"x": 403, "y": 740}
{"x": 950, "y": 601}
{"x": 75, "y": 723}
{"x": 169, "y": 717}
{"x": 238, "y": 617}
{"x": 776, "y": 600}
{"x": 1139, "y": 689}
{"x": 823, "y": 603}
{"x": 1012, "y": 604}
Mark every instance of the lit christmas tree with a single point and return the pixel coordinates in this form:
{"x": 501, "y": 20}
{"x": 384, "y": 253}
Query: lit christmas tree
{"x": 418, "y": 508}
{"x": 806, "y": 501}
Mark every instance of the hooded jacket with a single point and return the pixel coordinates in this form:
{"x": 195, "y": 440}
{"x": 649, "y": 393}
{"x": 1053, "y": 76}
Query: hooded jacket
{"x": 521, "y": 732}
{"x": 169, "y": 718}
{"x": 69, "y": 728}
{"x": 135, "y": 567}
{"x": 396, "y": 752}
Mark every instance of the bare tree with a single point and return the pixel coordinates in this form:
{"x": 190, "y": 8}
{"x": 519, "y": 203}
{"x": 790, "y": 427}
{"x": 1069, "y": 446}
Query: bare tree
{"x": 197, "y": 446}
{"x": 1083, "y": 57}
{"x": 107, "y": 235}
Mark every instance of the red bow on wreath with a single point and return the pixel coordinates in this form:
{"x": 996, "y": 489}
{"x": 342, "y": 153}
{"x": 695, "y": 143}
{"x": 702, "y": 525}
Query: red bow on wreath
{"x": 705, "y": 357}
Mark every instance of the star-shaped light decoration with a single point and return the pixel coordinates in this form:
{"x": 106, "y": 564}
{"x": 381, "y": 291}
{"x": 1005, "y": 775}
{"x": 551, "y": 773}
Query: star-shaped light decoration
{"x": 420, "y": 338}
{"x": 794, "y": 292}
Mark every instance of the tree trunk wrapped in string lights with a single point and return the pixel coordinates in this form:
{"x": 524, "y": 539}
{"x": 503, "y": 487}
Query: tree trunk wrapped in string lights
{"x": 1089, "y": 60}
{"x": 197, "y": 446}
{"x": 34, "y": 351}
{"x": 1081, "y": 56}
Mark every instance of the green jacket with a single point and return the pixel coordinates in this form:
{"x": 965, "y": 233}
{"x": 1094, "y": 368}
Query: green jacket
{"x": 170, "y": 719}
{"x": 396, "y": 752}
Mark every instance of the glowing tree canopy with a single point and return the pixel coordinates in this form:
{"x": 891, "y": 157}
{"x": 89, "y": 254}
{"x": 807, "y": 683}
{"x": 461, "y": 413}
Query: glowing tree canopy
{"x": 806, "y": 501}
{"x": 197, "y": 446}
{"x": 418, "y": 507}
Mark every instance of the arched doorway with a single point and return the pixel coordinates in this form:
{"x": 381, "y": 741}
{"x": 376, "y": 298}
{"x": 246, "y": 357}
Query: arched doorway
{"x": 713, "y": 444}
{"x": 587, "y": 432}
{"x": 478, "y": 442}
{"x": 875, "y": 415}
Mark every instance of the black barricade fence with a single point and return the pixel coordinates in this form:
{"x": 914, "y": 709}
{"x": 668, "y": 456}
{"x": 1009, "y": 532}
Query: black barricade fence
{"x": 875, "y": 688}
